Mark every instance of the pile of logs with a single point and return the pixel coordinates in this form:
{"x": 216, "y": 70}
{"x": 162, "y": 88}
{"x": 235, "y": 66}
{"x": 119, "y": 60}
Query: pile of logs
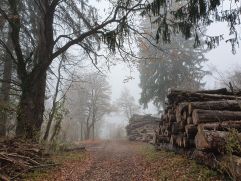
{"x": 141, "y": 128}
{"x": 19, "y": 156}
{"x": 202, "y": 121}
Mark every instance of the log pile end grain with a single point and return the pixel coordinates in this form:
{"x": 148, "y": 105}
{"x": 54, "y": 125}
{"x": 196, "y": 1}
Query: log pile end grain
{"x": 201, "y": 121}
{"x": 142, "y": 128}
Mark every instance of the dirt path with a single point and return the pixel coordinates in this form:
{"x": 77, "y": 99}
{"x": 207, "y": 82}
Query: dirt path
{"x": 116, "y": 161}
{"x": 126, "y": 161}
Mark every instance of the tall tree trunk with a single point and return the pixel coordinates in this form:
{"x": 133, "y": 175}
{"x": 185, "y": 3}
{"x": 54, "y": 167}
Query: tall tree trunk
{"x": 31, "y": 105}
{"x": 81, "y": 127}
{"x": 31, "y": 108}
{"x": 54, "y": 104}
{"x": 5, "y": 89}
{"x": 93, "y": 133}
{"x": 56, "y": 130}
{"x": 87, "y": 133}
{"x": 88, "y": 126}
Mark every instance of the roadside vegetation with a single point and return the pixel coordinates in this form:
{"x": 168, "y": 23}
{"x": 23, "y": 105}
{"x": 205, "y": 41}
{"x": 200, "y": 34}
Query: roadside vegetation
{"x": 63, "y": 160}
{"x": 170, "y": 166}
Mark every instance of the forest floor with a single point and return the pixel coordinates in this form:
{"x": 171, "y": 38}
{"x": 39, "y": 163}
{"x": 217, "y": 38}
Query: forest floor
{"x": 124, "y": 161}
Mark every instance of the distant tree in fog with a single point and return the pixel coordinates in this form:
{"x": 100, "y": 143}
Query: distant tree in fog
{"x": 88, "y": 102}
{"x": 127, "y": 104}
{"x": 175, "y": 65}
{"x": 233, "y": 77}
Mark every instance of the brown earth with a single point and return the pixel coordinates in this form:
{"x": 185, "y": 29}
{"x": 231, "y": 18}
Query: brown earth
{"x": 127, "y": 161}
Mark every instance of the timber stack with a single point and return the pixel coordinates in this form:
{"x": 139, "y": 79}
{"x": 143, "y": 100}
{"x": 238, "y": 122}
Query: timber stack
{"x": 205, "y": 123}
{"x": 141, "y": 128}
{"x": 18, "y": 157}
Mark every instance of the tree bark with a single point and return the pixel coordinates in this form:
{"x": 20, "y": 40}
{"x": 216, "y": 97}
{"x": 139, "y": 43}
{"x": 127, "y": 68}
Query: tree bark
{"x": 228, "y": 105}
{"x": 212, "y": 140}
{"x": 175, "y": 98}
{"x": 87, "y": 136}
{"x": 54, "y": 104}
{"x": 93, "y": 132}
{"x": 33, "y": 82}
{"x": 81, "y": 131}
{"x": 6, "y": 86}
{"x": 206, "y": 116}
{"x": 221, "y": 126}
{"x": 191, "y": 130}
{"x": 163, "y": 139}
{"x": 222, "y": 91}
{"x": 31, "y": 108}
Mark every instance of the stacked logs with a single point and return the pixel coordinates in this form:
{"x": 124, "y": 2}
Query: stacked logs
{"x": 18, "y": 157}
{"x": 141, "y": 128}
{"x": 201, "y": 121}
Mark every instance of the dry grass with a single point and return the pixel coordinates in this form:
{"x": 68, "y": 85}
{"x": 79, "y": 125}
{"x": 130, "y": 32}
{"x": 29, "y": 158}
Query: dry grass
{"x": 64, "y": 159}
{"x": 171, "y": 166}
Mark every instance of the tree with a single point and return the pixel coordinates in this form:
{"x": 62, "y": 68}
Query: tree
{"x": 187, "y": 17}
{"x": 99, "y": 101}
{"x": 5, "y": 88}
{"x": 57, "y": 104}
{"x": 42, "y": 30}
{"x": 231, "y": 79}
{"x": 127, "y": 104}
{"x": 6, "y": 60}
{"x": 179, "y": 66}
{"x": 89, "y": 101}
{"x": 37, "y": 40}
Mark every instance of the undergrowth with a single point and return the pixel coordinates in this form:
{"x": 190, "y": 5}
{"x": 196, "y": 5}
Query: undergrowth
{"x": 171, "y": 166}
{"x": 60, "y": 158}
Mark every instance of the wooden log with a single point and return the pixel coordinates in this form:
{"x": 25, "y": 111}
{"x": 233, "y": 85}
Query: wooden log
{"x": 167, "y": 133}
{"x": 173, "y": 140}
{"x": 140, "y": 124}
{"x": 222, "y": 91}
{"x": 165, "y": 118}
{"x": 178, "y": 116}
{"x": 180, "y": 109}
{"x": 162, "y": 130}
{"x": 177, "y": 127}
{"x": 189, "y": 120}
{"x": 183, "y": 123}
{"x": 187, "y": 142}
{"x": 221, "y": 126}
{"x": 170, "y": 112}
{"x": 172, "y": 118}
{"x": 206, "y": 116}
{"x": 191, "y": 130}
{"x": 197, "y": 97}
{"x": 212, "y": 140}
{"x": 179, "y": 140}
{"x": 155, "y": 140}
{"x": 228, "y": 105}
{"x": 163, "y": 139}
{"x": 184, "y": 115}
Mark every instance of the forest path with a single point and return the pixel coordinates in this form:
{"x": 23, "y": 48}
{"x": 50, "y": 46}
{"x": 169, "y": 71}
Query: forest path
{"x": 102, "y": 161}
{"x": 126, "y": 161}
{"x": 116, "y": 161}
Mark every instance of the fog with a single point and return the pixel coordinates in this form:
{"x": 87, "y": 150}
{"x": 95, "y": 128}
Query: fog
{"x": 220, "y": 62}
{"x": 100, "y": 76}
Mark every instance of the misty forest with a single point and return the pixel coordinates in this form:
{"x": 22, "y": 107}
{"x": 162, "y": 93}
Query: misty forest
{"x": 120, "y": 90}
